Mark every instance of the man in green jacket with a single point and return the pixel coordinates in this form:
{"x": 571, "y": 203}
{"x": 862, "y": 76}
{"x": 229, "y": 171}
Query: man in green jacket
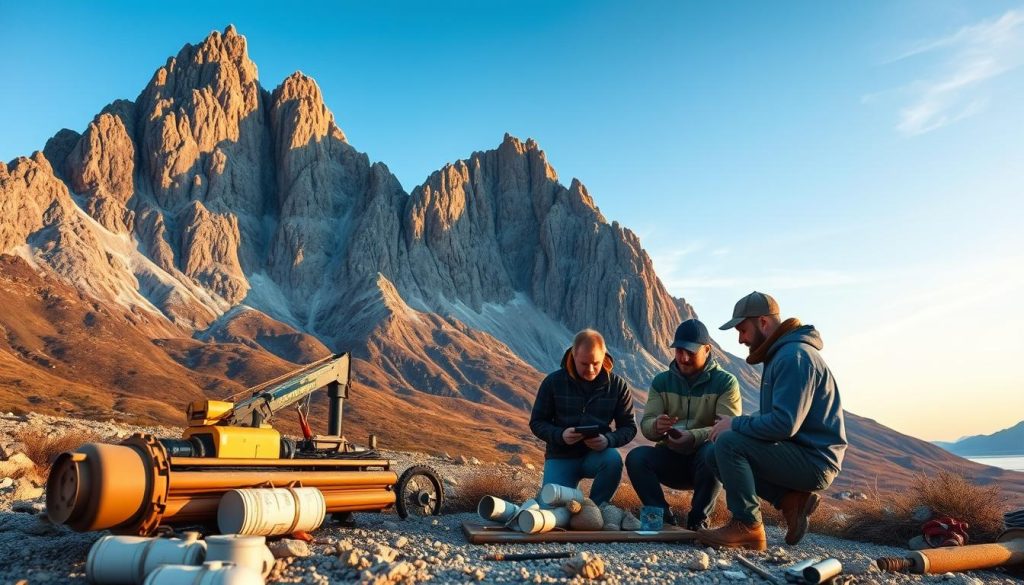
{"x": 681, "y": 408}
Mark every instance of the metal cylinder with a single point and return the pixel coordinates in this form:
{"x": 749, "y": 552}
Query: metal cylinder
{"x": 822, "y": 571}
{"x": 335, "y": 402}
{"x": 190, "y": 447}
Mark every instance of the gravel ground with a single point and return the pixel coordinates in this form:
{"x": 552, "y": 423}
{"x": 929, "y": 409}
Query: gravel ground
{"x": 381, "y": 548}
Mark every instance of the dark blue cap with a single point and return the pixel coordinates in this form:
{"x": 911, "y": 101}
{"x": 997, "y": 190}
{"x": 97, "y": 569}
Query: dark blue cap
{"x": 691, "y": 335}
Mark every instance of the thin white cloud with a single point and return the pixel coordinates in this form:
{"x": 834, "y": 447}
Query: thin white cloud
{"x": 941, "y": 299}
{"x": 969, "y": 59}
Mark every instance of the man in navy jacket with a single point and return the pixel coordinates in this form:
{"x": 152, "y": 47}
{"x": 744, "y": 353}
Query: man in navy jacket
{"x": 794, "y": 446}
{"x": 584, "y": 392}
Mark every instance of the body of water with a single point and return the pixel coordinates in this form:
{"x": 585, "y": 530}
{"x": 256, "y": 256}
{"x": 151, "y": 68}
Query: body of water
{"x": 1011, "y": 462}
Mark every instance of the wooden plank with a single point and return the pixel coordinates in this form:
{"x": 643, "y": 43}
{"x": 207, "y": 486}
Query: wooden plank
{"x": 496, "y": 533}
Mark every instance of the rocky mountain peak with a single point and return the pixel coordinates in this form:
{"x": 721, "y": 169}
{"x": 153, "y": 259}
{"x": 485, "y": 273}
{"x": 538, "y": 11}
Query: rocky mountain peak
{"x": 101, "y": 167}
{"x": 299, "y": 113}
{"x": 208, "y": 97}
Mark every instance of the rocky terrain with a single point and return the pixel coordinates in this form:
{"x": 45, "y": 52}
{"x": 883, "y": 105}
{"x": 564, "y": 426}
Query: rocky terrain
{"x": 213, "y": 233}
{"x": 382, "y": 548}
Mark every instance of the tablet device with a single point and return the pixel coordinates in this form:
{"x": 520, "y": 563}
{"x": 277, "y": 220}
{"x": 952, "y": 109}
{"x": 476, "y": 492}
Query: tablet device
{"x": 589, "y": 431}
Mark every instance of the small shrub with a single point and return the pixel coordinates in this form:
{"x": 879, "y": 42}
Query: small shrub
{"x": 886, "y": 518}
{"x": 42, "y": 449}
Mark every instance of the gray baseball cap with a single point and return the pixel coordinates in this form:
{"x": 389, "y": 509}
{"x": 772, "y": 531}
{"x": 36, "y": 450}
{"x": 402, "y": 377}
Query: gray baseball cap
{"x": 756, "y": 304}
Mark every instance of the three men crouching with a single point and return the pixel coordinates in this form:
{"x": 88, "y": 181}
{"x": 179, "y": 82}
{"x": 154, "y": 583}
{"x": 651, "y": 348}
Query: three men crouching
{"x": 791, "y": 449}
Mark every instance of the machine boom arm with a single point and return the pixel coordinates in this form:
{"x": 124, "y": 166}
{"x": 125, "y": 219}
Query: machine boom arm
{"x": 270, "y": 397}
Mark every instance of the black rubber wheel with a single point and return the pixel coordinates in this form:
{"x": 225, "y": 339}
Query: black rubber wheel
{"x": 419, "y": 491}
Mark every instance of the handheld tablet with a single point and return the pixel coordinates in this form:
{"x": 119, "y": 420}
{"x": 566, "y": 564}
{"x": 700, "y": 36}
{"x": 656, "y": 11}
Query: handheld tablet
{"x": 589, "y": 431}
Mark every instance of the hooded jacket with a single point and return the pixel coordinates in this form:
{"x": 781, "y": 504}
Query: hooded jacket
{"x": 799, "y": 400}
{"x": 564, "y": 400}
{"x": 696, "y": 401}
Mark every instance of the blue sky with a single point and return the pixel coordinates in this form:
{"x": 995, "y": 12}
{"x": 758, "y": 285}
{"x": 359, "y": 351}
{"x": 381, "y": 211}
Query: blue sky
{"x": 861, "y": 161}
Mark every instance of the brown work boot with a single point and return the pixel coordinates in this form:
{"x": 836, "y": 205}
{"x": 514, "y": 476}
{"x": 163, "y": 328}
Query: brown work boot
{"x": 796, "y": 506}
{"x": 735, "y": 534}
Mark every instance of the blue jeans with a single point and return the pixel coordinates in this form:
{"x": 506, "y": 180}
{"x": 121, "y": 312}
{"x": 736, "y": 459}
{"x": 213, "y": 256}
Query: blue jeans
{"x": 604, "y": 467}
{"x": 651, "y": 467}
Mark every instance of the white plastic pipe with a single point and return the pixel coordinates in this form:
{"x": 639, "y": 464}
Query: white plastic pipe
{"x": 536, "y": 521}
{"x": 211, "y": 573}
{"x": 552, "y": 495}
{"x": 496, "y": 509}
{"x": 271, "y": 511}
{"x": 243, "y": 550}
{"x": 126, "y": 560}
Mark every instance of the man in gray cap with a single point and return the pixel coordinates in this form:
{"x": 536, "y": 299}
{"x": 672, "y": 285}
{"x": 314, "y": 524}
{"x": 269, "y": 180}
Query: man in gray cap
{"x": 794, "y": 446}
{"x": 681, "y": 407}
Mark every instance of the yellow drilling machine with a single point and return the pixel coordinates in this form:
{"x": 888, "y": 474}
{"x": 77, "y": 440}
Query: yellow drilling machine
{"x": 146, "y": 482}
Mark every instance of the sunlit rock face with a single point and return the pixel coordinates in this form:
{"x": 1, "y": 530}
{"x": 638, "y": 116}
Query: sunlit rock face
{"x": 208, "y": 194}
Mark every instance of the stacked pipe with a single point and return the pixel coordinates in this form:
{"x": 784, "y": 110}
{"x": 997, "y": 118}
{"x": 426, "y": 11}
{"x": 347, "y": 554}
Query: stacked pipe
{"x": 136, "y": 486}
{"x": 559, "y": 506}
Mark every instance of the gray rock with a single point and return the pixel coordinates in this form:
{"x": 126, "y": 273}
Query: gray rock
{"x": 921, "y": 514}
{"x": 28, "y": 507}
{"x": 287, "y": 547}
{"x": 702, "y": 562}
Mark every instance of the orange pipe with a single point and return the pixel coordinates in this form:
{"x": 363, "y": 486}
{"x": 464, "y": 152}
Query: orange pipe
{"x": 203, "y": 507}
{"x": 225, "y": 480}
{"x": 291, "y": 463}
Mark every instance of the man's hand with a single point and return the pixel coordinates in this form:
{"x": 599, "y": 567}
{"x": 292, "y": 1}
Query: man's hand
{"x": 683, "y": 444}
{"x": 571, "y": 437}
{"x": 664, "y": 422}
{"x": 598, "y": 443}
{"x": 722, "y": 423}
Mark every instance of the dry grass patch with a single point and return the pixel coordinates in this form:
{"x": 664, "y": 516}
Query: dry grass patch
{"x": 42, "y": 448}
{"x": 467, "y": 495}
{"x": 886, "y": 518}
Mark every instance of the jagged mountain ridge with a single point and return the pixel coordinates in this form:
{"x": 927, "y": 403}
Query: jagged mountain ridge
{"x": 211, "y": 213}
{"x": 183, "y": 170}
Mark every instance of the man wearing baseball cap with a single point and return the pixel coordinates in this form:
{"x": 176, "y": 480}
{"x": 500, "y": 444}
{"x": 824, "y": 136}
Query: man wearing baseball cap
{"x": 681, "y": 408}
{"x": 794, "y": 446}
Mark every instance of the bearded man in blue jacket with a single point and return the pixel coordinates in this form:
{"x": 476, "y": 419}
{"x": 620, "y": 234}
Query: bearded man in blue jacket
{"x": 794, "y": 446}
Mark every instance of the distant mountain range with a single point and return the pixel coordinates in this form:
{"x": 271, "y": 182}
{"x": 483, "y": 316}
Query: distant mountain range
{"x": 211, "y": 234}
{"x": 1005, "y": 442}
